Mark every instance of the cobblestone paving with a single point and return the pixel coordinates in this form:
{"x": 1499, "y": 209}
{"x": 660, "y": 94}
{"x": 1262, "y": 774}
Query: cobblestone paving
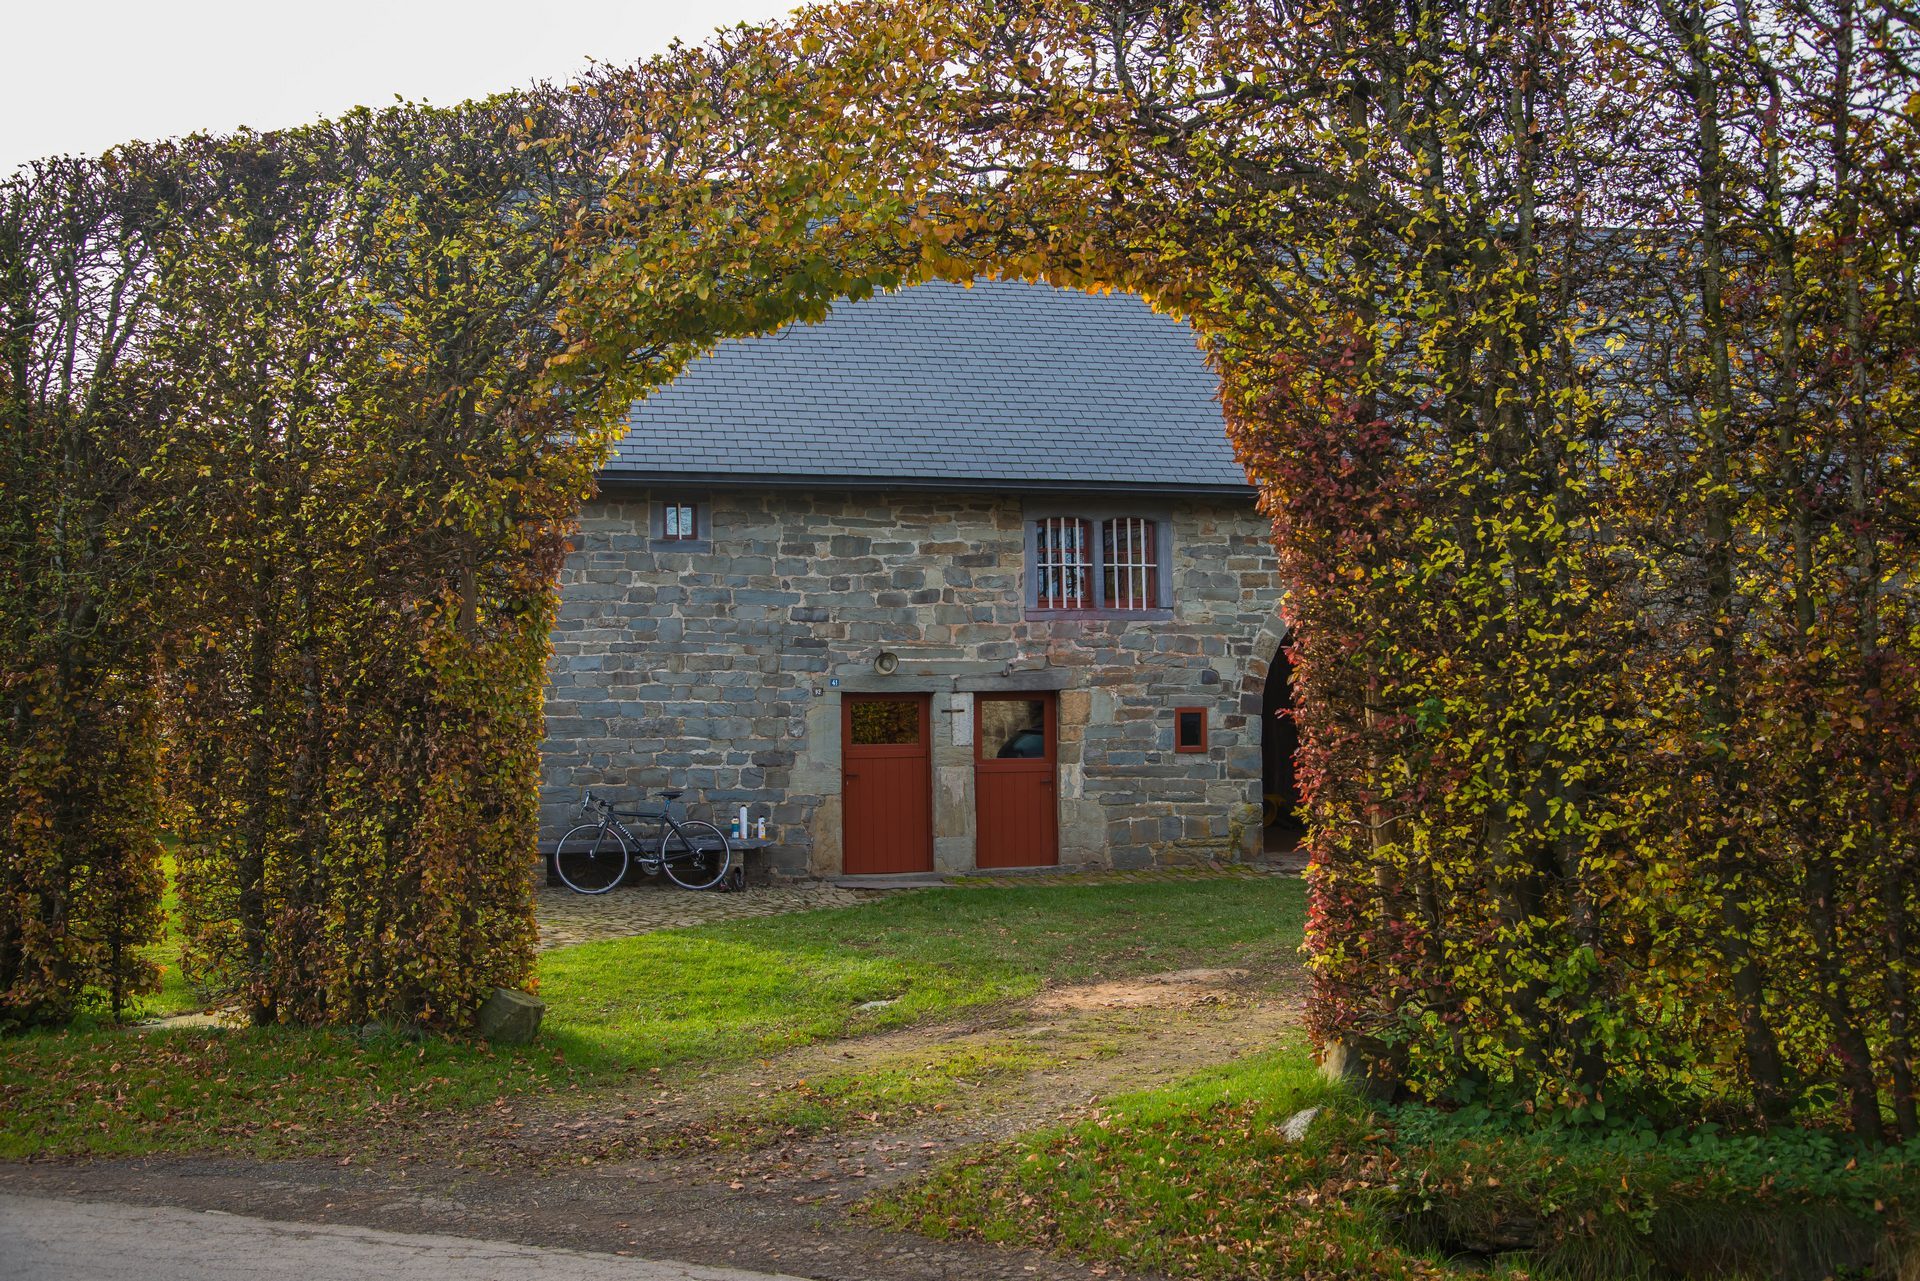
{"x": 567, "y": 918}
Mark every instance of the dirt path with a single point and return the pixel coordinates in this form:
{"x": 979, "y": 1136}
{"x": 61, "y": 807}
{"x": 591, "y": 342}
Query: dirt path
{"x": 757, "y": 1166}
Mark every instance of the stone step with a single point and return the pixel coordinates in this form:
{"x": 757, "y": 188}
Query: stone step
{"x": 896, "y": 880}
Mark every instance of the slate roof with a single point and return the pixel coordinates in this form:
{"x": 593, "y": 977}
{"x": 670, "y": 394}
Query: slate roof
{"x": 1017, "y": 386}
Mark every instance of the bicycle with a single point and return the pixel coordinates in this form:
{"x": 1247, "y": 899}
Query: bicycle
{"x": 593, "y": 857}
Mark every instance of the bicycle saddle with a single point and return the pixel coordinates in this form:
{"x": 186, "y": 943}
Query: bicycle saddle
{"x": 673, "y": 795}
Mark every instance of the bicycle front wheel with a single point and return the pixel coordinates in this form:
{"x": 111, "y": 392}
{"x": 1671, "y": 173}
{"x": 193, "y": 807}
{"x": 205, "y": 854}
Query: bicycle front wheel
{"x": 591, "y": 859}
{"x": 696, "y": 855}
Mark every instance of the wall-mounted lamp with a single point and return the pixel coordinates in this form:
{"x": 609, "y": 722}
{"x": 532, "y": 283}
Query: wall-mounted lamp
{"x": 886, "y": 662}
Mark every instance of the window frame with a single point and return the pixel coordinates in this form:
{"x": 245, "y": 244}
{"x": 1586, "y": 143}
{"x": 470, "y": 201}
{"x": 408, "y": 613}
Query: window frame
{"x": 1129, "y": 562}
{"x": 1049, "y": 725}
{"x": 702, "y": 540}
{"x": 668, "y": 508}
{"x": 1183, "y": 749}
{"x": 1097, "y": 513}
{"x": 1086, "y": 532}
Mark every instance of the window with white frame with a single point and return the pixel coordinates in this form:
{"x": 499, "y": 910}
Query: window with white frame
{"x": 679, "y": 521}
{"x": 1097, "y": 561}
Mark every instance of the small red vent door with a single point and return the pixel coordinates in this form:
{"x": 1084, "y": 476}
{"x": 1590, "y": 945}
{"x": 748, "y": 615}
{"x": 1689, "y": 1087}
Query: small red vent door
{"x": 887, "y": 784}
{"x": 1014, "y": 779}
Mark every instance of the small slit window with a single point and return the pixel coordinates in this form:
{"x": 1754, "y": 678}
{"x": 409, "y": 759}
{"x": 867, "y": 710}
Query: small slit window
{"x": 679, "y": 522}
{"x": 1189, "y": 729}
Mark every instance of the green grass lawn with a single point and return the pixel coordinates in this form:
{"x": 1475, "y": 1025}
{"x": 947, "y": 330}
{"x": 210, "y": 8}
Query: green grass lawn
{"x": 750, "y": 987}
{"x": 176, "y": 995}
{"x": 1192, "y": 1180}
{"x": 1198, "y": 1180}
{"x": 704, "y": 995}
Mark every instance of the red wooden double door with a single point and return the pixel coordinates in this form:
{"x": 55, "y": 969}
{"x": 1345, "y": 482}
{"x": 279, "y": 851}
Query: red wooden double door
{"x": 887, "y": 790}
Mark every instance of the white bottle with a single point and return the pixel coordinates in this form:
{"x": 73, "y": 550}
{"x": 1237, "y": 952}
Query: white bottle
{"x": 740, "y": 825}
{"x": 760, "y": 829}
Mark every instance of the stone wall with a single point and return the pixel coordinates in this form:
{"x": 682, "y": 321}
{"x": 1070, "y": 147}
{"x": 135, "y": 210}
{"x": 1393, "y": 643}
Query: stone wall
{"x": 719, "y": 667}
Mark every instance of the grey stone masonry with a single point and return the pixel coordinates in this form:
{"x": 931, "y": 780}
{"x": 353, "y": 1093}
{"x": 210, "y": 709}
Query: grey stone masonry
{"x": 720, "y": 667}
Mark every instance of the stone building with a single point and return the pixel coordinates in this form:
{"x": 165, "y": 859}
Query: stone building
{"x": 957, "y": 578}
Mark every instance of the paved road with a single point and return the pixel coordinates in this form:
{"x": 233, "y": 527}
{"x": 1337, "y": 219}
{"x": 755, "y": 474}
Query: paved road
{"x": 48, "y": 1240}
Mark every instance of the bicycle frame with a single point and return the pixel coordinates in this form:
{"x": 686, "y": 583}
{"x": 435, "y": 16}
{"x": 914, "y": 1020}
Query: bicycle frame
{"x": 694, "y": 854}
{"x": 646, "y": 854}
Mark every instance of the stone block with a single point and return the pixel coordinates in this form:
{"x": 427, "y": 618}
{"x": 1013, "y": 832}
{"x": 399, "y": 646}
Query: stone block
{"x": 953, "y": 801}
{"x": 1364, "y": 1067}
{"x": 508, "y": 1017}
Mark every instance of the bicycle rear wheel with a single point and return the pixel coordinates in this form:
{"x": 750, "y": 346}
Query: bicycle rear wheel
{"x": 591, "y": 859}
{"x": 697, "y": 857}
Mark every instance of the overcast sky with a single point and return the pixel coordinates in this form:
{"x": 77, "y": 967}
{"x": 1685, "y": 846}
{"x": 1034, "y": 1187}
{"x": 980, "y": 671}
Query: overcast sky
{"x": 82, "y": 75}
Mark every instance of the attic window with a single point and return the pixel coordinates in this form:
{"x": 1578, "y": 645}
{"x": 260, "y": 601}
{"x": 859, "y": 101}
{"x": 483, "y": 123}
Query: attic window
{"x": 1089, "y": 560}
{"x": 679, "y": 522}
{"x": 1130, "y": 549}
{"x": 1064, "y": 563}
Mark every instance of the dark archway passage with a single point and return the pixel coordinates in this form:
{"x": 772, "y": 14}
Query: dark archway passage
{"x": 1279, "y": 740}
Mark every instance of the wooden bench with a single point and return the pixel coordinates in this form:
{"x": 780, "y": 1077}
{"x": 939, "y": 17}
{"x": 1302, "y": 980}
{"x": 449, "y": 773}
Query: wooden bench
{"x": 750, "y": 863}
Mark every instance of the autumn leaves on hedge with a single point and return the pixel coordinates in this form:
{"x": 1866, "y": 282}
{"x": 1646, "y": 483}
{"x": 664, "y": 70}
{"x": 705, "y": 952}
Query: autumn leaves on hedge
{"x": 1571, "y": 347}
{"x": 286, "y": 496}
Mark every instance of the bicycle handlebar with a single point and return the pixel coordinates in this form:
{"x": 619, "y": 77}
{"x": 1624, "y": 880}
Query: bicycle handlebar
{"x": 588, "y": 801}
